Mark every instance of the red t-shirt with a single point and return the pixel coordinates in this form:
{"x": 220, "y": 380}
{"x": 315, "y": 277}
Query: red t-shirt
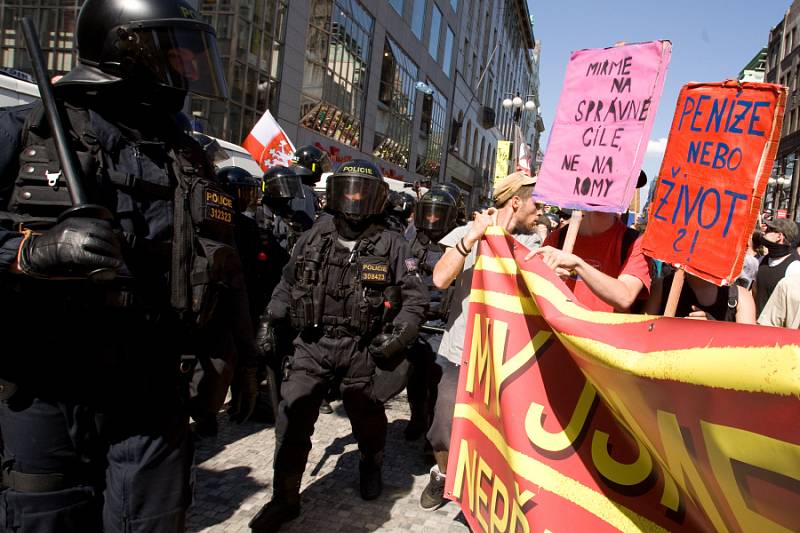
{"x": 603, "y": 252}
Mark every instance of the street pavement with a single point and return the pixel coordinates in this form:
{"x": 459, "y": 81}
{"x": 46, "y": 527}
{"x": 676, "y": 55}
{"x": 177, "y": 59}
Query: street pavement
{"x": 234, "y": 478}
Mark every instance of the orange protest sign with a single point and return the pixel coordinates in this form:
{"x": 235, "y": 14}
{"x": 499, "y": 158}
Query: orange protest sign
{"x": 719, "y": 155}
{"x": 568, "y": 419}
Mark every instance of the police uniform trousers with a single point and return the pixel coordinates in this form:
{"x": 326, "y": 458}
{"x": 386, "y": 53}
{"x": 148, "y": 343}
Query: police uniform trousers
{"x": 424, "y": 377}
{"x": 96, "y": 437}
{"x": 318, "y": 361}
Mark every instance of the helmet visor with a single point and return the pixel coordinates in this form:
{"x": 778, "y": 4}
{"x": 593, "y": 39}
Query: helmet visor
{"x": 354, "y": 195}
{"x": 184, "y": 58}
{"x": 434, "y": 216}
{"x": 283, "y": 187}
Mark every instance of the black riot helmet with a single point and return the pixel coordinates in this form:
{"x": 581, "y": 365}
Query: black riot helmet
{"x": 310, "y": 163}
{"x": 436, "y": 213}
{"x": 356, "y": 190}
{"x": 153, "y": 42}
{"x": 282, "y": 184}
{"x": 403, "y": 204}
{"x": 458, "y": 195}
{"x": 240, "y": 184}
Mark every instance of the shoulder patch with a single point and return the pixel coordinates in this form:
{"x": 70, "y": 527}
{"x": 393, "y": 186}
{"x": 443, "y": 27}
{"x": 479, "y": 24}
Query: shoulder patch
{"x": 411, "y": 264}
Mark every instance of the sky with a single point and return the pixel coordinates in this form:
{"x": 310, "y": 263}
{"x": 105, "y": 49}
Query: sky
{"x": 712, "y": 40}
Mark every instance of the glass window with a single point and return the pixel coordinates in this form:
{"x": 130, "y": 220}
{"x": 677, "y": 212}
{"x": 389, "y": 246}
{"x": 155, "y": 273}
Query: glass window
{"x": 418, "y": 18}
{"x": 454, "y": 4}
{"x": 432, "y": 125}
{"x": 397, "y": 5}
{"x": 335, "y": 72}
{"x": 395, "y": 116}
{"x": 433, "y": 40}
{"x": 448, "y": 50}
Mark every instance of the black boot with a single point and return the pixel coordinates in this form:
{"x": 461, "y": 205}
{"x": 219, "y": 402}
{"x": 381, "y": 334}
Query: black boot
{"x": 284, "y": 505}
{"x": 369, "y": 468}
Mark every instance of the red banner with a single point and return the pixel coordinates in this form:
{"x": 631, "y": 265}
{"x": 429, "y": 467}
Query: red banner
{"x": 574, "y": 420}
{"x": 719, "y": 155}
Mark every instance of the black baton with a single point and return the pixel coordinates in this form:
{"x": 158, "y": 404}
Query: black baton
{"x": 80, "y": 202}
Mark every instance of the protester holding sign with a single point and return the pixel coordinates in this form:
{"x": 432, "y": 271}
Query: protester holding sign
{"x": 703, "y": 300}
{"x": 607, "y": 271}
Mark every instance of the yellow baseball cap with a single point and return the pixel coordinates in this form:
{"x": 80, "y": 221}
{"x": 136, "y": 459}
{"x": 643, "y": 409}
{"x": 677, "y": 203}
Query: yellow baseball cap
{"x": 508, "y": 186}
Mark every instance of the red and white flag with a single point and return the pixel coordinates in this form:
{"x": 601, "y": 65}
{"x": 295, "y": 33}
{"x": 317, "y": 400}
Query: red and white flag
{"x": 523, "y": 152}
{"x": 268, "y": 143}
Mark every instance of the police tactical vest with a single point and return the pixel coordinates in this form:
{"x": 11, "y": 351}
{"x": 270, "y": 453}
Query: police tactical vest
{"x": 428, "y": 254}
{"x": 200, "y": 256}
{"x": 356, "y": 290}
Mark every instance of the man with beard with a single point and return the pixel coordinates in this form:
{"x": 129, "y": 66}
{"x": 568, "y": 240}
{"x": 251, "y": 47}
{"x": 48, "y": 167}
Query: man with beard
{"x": 516, "y": 212}
{"x": 352, "y": 292}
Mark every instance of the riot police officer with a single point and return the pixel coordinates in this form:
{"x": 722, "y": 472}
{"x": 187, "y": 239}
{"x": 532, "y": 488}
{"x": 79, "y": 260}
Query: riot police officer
{"x": 399, "y": 208}
{"x": 244, "y": 188}
{"x": 351, "y": 289}
{"x": 435, "y": 217}
{"x": 310, "y": 163}
{"x": 281, "y": 187}
{"x": 94, "y": 413}
{"x": 280, "y": 230}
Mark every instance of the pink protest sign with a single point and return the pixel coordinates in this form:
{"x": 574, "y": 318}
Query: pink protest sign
{"x": 602, "y": 125}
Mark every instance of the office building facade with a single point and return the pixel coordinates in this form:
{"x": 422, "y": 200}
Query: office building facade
{"x": 415, "y": 85}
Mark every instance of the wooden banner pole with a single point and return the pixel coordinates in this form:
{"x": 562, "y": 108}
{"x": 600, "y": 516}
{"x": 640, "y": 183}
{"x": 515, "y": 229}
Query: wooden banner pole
{"x": 572, "y": 230}
{"x": 675, "y": 292}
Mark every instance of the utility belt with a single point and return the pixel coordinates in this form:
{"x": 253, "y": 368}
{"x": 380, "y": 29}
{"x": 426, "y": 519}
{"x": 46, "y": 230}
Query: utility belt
{"x": 36, "y": 483}
{"x": 80, "y": 295}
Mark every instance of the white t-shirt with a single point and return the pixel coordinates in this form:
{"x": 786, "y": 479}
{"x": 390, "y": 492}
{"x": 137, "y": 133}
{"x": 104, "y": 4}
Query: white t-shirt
{"x": 452, "y": 346}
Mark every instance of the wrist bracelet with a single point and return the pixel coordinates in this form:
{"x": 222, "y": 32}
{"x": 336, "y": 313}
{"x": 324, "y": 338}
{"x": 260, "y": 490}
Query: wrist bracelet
{"x": 461, "y": 249}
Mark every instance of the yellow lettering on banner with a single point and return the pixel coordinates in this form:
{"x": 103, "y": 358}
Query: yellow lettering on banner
{"x": 561, "y": 440}
{"x": 670, "y": 497}
{"x": 483, "y": 471}
{"x": 681, "y": 464}
{"x": 470, "y": 472}
{"x": 488, "y": 344}
{"x": 620, "y": 473}
{"x": 725, "y": 444}
{"x": 465, "y": 465}
{"x": 517, "y": 514}
{"x": 498, "y": 523}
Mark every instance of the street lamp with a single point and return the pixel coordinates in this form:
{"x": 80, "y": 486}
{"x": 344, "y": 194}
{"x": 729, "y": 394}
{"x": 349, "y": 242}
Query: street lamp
{"x": 779, "y": 186}
{"x": 517, "y": 103}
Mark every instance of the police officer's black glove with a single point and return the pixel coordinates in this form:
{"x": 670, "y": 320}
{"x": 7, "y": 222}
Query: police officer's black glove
{"x": 244, "y": 394}
{"x": 388, "y": 349}
{"x": 265, "y": 337}
{"x": 74, "y": 247}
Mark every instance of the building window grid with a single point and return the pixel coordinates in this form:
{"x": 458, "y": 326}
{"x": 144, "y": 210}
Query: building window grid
{"x": 436, "y": 28}
{"x": 334, "y": 83}
{"x": 56, "y": 25}
{"x": 418, "y": 18}
{"x": 255, "y": 64}
{"x": 448, "y": 50}
{"x": 433, "y": 124}
{"x": 397, "y": 94}
{"x": 397, "y": 5}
